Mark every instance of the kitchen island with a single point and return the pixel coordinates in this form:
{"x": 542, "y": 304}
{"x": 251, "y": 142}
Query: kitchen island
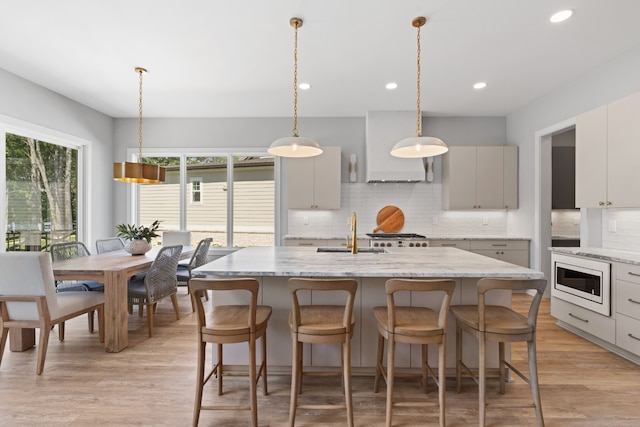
{"x": 273, "y": 266}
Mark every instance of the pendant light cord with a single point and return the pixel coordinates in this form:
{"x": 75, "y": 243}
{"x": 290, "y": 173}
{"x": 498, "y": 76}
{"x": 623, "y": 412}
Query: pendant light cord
{"x": 419, "y": 111}
{"x": 295, "y": 24}
{"x": 140, "y": 71}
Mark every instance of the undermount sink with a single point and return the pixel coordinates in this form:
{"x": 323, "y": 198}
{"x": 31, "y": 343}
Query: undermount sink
{"x": 348, "y": 250}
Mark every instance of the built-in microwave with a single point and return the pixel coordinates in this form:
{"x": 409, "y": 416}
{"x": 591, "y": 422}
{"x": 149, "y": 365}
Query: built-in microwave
{"x": 582, "y": 281}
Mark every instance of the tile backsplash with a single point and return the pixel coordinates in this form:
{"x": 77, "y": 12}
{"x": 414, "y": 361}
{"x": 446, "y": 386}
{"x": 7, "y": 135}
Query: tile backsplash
{"x": 565, "y": 223}
{"x": 421, "y": 204}
{"x": 621, "y": 229}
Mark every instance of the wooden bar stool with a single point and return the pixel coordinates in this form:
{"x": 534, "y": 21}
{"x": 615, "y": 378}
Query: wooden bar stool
{"x": 413, "y": 325}
{"x": 501, "y": 324}
{"x": 230, "y": 324}
{"x": 316, "y": 324}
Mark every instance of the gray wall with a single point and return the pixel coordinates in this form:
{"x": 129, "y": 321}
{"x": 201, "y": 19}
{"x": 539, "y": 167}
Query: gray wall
{"x": 34, "y": 104}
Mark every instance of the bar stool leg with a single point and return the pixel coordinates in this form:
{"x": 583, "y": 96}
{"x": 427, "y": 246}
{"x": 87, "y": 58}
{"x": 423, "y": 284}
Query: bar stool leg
{"x": 200, "y": 382}
{"x": 391, "y": 360}
{"x": 346, "y": 351}
{"x": 442, "y": 378}
{"x": 425, "y": 372}
{"x": 252, "y": 381}
{"x": 219, "y": 370}
{"x": 295, "y": 387}
{"x": 458, "y": 358}
{"x": 263, "y": 360}
{"x": 502, "y": 366}
{"x": 533, "y": 379}
{"x": 482, "y": 379}
{"x": 376, "y": 384}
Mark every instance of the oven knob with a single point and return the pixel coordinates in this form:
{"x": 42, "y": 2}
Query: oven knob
{"x": 389, "y": 244}
{"x": 375, "y": 245}
{"x": 410, "y": 245}
{"x": 424, "y": 245}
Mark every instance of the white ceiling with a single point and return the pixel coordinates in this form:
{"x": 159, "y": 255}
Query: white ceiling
{"x": 234, "y": 58}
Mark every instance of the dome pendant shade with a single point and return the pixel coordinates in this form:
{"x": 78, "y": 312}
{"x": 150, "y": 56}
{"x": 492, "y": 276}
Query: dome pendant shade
{"x": 138, "y": 173}
{"x": 419, "y": 146}
{"x": 295, "y": 146}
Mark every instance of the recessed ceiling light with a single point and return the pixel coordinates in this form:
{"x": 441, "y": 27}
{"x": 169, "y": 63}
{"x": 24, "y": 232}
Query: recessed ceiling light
{"x": 304, "y": 86}
{"x": 563, "y": 15}
{"x": 391, "y": 85}
{"x": 480, "y": 85}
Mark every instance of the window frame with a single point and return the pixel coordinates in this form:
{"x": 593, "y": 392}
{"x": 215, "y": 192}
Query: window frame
{"x": 133, "y": 211}
{"x": 199, "y": 180}
{"x": 23, "y": 128}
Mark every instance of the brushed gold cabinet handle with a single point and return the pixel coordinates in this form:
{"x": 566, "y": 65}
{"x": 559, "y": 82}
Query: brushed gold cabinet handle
{"x": 631, "y": 273}
{"x": 579, "y": 318}
{"x": 600, "y": 203}
{"x": 633, "y": 301}
{"x": 608, "y": 203}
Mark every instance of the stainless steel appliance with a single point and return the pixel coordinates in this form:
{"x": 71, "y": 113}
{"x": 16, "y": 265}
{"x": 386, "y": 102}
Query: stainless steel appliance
{"x": 582, "y": 281}
{"x": 397, "y": 240}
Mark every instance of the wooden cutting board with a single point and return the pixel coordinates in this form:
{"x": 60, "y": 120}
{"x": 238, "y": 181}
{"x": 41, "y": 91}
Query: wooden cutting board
{"x": 390, "y": 219}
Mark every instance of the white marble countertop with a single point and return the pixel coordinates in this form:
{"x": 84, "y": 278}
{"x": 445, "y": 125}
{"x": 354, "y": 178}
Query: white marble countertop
{"x": 612, "y": 255}
{"x": 288, "y": 261}
{"x": 365, "y": 237}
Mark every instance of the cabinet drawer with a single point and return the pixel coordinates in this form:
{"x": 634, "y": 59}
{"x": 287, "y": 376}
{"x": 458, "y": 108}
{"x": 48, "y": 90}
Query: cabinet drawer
{"x": 506, "y": 245}
{"x": 304, "y": 242}
{"x": 628, "y": 299}
{"x": 628, "y": 272}
{"x": 628, "y": 334}
{"x": 589, "y": 321}
{"x": 460, "y": 244}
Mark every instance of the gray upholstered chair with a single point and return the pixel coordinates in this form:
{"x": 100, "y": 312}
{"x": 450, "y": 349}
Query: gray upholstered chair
{"x": 199, "y": 257}
{"x": 159, "y": 282}
{"x": 63, "y": 251}
{"x": 28, "y": 299}
{"x": 109, "y": 244}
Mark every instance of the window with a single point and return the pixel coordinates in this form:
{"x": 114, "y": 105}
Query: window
{"x": 196, "y": 190}
{"x": 41, "y": 187}
{"x": 239, "y": 207}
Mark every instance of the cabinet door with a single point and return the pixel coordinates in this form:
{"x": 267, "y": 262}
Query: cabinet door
{"x": 510, "y": 196}
{"x": 623, "y": 152}
{"x": 459, "y": 177}
{"x": 301, "y": 178}
{"x": 314, "y": 182}
{"x": 591, "y": 155}
{"x": 489, "y": 177}
{"x": 326, "y": 188}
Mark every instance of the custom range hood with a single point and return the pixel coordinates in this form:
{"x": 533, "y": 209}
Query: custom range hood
{"x": 383, "y": 130}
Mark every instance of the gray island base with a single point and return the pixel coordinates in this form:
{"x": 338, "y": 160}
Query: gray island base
{"x": 273, "y": 266}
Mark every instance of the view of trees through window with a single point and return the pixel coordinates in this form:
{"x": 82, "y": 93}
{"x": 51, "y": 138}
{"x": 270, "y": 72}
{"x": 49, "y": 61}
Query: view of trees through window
{"x": 210, "y": 194}
{"x": 41, "y": 194}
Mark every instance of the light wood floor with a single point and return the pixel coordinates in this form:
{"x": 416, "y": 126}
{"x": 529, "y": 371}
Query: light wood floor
{"x": 152, "y": 384}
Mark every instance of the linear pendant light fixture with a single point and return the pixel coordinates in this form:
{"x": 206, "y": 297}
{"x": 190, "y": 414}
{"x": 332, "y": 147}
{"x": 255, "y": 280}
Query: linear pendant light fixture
{"x": 139, "y": 172}
{"x": 295, "y": 145}
{"x": 419, "y": 146}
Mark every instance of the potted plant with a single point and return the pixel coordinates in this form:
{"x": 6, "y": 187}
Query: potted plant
{"x": 137, "y": 238}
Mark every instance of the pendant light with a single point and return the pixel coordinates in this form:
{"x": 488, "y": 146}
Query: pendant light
{"x": 295, "y": 146}
{"x": 139, "y": 172}
{"x": 419, "y": 146}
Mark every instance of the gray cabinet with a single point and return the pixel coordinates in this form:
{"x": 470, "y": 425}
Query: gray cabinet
{"x": 607, "y": 149}
{"x": 480, "y": 177}
{"x": 511, "y": 251}
{"x": 314, "y": 182}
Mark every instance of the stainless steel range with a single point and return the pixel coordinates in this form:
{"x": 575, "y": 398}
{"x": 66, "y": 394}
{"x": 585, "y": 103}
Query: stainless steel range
{"x": 397, "y": 240}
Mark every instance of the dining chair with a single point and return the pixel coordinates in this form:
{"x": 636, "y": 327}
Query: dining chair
{"x": 28, "y": 299}
{"x": 68, "y": 250}
{"x": 199, "y": 258}
{"x": 502, "y": 324}
{"x": 415, "y": 324}
{"x": 109, "y": 244}
{"x": 315, "y": 324}
{"x": 226, "y": 324}
{"x": 159, "y": 282}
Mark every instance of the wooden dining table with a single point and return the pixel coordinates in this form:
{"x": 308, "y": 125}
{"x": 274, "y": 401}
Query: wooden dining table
{"x": 114, "y": 270}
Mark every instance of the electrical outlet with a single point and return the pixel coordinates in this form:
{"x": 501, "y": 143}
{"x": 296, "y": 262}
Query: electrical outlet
{"x": 485, "y": 220}
{"x": 305, "y": 220}
{"x": 434, "y": 221}
{"x": 612, "y": 225}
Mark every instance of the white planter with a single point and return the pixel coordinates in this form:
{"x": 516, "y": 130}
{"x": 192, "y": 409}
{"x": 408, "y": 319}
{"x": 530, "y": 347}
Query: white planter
{"x": 137, "y": 247}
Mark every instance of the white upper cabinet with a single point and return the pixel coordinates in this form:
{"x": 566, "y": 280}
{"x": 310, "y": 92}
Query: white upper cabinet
{"x": 480, "y": 177}
{"x": 314, "y": 182}
{"x": 607, "y": 152}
